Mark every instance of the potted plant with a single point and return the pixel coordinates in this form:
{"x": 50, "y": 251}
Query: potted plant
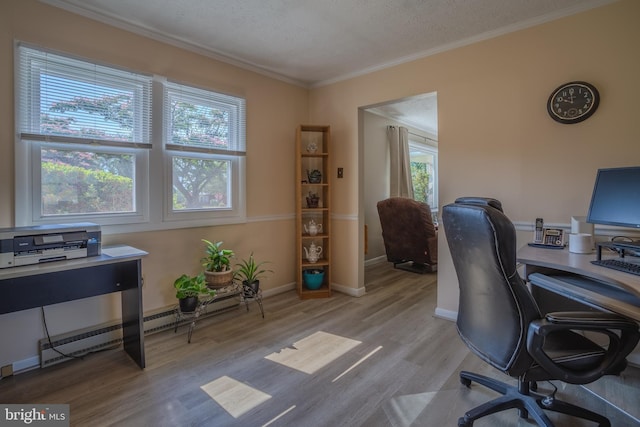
{"x": 249, "y": 272}
{"x": 217, "y": 264}
{"x": 189, "y": 289}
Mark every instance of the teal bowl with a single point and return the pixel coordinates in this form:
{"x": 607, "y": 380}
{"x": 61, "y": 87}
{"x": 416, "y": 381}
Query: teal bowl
{"x": 313, "y": 278}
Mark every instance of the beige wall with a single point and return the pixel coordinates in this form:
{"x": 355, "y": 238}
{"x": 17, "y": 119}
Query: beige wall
{"x": 274, "y": 109}
{"x": 495, "y": 137}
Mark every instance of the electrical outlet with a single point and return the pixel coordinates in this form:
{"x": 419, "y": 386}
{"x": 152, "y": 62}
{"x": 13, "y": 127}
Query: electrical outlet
{"x": 340, "y": 173}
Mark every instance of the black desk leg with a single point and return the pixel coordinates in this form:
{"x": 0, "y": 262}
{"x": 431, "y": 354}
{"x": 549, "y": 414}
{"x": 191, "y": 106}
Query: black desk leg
{"x": 133, "y": 320}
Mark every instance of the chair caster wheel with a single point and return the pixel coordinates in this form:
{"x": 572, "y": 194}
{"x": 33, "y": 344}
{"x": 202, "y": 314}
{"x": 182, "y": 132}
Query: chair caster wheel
{"x": 462, "y": 422}
{"x": 465, "y": 382}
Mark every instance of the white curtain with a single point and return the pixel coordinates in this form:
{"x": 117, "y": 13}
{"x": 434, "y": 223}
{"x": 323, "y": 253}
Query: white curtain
{"x": 401, "y": 185}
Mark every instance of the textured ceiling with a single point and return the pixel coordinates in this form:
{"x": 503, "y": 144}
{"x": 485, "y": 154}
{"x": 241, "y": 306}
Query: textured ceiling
{"x": 313, "y": 42}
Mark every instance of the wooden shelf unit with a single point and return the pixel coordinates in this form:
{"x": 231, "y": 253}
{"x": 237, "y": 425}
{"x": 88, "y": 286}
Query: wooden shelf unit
{"x": 308, "y": 159}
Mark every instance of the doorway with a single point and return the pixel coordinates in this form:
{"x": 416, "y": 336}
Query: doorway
{"x": 419, "y": 114}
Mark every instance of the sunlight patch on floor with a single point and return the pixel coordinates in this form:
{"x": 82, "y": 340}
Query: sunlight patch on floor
{"x": 352, "y": 367}
{"x": 313, "y": 352}
{"x": 235, "y": 397}
{"x": 280, "y": 415}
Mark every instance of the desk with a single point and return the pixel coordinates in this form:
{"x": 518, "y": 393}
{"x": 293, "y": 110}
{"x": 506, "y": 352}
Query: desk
{"x": 574, "y": 277}
{"x": 117, "y": 269}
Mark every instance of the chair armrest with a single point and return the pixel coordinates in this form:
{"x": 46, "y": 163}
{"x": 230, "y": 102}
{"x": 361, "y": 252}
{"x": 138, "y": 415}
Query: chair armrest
{"x": 623, "y": 337}
{"x": 589, "y": 318}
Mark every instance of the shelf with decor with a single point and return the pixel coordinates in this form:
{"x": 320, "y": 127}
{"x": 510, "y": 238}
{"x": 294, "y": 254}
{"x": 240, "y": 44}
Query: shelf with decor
{"x": 313, "y": 210}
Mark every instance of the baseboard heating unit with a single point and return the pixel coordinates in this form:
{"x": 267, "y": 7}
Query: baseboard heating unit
{"x": 106, "y": 336}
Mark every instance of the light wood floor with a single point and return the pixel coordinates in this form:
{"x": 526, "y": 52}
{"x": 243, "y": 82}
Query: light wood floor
{"x": 378, "y": 360}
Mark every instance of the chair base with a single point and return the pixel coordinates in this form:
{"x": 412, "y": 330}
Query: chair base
{"x": 522, "y": 398}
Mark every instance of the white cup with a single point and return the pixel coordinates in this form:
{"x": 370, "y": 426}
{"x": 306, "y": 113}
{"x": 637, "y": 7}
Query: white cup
{"x": 580, "y": 243}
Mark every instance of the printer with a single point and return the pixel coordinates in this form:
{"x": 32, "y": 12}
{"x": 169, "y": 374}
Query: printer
{"x": 45, "y": 243}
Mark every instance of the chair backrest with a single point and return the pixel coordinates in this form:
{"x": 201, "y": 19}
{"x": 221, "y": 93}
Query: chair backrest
{"x": 495, "y": 307}
{"x": 408, "y": 231}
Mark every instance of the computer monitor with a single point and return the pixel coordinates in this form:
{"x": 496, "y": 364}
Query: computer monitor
{"x": 616, "y": 198}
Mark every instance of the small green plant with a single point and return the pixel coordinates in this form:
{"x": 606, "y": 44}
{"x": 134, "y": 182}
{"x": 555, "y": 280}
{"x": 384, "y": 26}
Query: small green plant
{"x": 192, "y": 286}
{"x": 249, "y": 271}
{"x": 217, "y": 259}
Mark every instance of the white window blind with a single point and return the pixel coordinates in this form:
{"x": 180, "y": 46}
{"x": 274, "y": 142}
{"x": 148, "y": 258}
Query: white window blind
{"x": 63, "y": 99}
{"x": 200, "y": 120}
{"x": 84, "y": 149}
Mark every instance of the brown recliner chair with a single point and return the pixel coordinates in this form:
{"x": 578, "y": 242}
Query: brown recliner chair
{"x": 410, "y": 238}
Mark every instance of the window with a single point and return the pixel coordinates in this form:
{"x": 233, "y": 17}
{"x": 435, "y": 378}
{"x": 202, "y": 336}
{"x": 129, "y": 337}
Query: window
{"x": 84, "y": 150}
{"x": 424, "y": 172}
{"x": 205, "y": 144}
{"x": 84, "y": 135}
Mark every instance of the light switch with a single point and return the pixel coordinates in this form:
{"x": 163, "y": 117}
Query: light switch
{"x": 340, "y": 172}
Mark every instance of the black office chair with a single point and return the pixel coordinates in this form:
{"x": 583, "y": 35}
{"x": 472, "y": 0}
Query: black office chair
{"x": 500, "y": 322}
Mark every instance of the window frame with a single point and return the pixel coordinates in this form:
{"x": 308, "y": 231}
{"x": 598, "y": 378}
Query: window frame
{"x": 139, "y": 215}
{"x": 153, "y": 169}
{"x": 235, "y": 153}
{"x": 204, "y": 216}
{"x": 425, "y": 147}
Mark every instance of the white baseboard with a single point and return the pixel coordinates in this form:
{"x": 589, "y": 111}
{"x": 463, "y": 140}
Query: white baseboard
{"x": 354, "y": 292}
{"x": 279, "y": 290}
{"x": 338, "y": 288}
{"x": 446, "y": 314}
{"x": 27, "y": 364}
{"x": 377, "y": 260}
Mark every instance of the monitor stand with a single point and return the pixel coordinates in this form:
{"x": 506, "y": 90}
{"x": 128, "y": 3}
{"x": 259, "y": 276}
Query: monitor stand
{"x": 623, "y": 248}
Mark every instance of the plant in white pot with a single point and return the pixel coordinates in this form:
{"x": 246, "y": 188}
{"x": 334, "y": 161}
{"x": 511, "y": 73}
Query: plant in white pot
{"x": 189, "y": 289}
{"x": 249, "y": 272}
{"x": 217, "y": 264}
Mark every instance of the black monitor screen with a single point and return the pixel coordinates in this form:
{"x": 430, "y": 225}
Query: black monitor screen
{"x": 616, "y": 198}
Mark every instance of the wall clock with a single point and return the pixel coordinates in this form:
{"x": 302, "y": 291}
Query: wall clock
{"x": 573, "y": 102}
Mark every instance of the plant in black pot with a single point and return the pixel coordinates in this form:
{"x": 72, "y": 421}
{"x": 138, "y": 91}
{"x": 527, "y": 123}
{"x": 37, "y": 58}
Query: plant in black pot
{"x": 217, "y": 264}
{"x": 249, "y": 272}
{"x": 189, "y": 289}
